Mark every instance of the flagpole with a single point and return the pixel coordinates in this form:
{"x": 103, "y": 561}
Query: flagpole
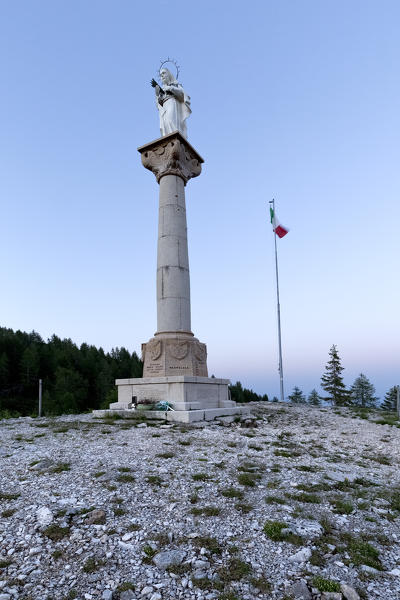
{"x": 280, "y": 368}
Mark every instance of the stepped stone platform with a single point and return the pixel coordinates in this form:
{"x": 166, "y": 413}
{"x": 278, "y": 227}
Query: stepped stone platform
{"x": 190, "y": 398}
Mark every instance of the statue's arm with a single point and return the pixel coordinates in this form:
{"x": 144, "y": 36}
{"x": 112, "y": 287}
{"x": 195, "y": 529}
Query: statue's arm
{"x": 176, "y": 91}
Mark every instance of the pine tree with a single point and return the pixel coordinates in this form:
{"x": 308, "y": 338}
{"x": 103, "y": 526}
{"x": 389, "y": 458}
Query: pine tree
{"x": 314, "y": 398}
{"x": 3, "y": 370}
{"x": 297, "y": 396}
{"x": 390, "y": 401}
{"x": 363, "y": 392}
{"x": 332, "y": 381}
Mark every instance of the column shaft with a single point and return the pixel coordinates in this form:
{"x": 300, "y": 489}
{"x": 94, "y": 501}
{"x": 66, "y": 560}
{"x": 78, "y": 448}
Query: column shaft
{"x": 173, "y": 280}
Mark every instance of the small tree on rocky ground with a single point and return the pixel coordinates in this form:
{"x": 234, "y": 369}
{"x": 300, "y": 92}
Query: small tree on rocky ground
{"x": 332, "y": 381}
{"x": 390, "y": 401}
{"x": 314, "y": 398}
{"x": 297, "y": 396}
{"x": 363, "y": 392}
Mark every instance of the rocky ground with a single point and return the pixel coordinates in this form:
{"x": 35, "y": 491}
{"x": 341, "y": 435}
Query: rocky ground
{"x": 302, "y": 503}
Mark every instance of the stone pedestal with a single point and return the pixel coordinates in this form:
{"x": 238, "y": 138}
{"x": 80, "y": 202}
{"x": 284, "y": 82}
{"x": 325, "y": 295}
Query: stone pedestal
{"x": 175, "y": 362}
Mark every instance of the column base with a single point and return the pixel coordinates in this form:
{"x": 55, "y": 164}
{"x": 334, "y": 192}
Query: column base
{"x": 174, "y": 353}
{"x": 190, "y": 398}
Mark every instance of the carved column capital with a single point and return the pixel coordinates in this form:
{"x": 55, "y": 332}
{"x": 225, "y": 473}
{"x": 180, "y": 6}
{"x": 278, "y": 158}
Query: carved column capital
{"x": 171, "y": 155}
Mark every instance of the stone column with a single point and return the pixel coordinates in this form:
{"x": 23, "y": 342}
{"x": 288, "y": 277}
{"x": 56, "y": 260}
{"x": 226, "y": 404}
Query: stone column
{"x": 173, "y": 350}
{"x": 173, "y": 280}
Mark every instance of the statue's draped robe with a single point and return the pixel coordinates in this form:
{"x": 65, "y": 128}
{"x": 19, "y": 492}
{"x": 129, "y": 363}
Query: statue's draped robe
{"x": 174, "y": 111}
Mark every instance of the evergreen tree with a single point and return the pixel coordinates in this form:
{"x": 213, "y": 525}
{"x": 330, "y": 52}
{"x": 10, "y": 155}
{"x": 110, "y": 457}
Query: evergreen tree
{"x": 297, "y": 396}
{"x": 390, "y": 401}
{"x": 332, "y": 381}
{"x": 314, "y": 398}
{"x": 362, "y": 392}
{"x": 3, "y": 370}
{"x": 241, "y": 394}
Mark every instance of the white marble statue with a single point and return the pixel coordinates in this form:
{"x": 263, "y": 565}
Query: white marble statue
{"x": 172, "y": 102}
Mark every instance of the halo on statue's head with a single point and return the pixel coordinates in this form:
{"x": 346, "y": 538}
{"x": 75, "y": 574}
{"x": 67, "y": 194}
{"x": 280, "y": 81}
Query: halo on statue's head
{"x": 171, "y": 61}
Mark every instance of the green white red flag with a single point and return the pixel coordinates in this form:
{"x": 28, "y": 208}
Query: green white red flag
{"x": 277, "y": 227}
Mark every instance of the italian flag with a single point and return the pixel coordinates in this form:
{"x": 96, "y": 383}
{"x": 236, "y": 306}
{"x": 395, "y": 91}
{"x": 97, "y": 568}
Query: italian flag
{"x": 277, "y": 227}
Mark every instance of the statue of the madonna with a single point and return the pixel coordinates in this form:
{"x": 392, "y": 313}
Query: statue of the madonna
{"x": 172, "y": 102}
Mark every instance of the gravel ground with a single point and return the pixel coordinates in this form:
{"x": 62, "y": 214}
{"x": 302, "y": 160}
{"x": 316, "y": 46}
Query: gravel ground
{"x": 297, "y": 503}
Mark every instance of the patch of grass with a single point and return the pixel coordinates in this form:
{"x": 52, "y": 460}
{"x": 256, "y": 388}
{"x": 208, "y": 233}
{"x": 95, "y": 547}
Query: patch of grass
{"x": 207, "y": 511}
{"x": 124, "y": 469}
{"x": 325, "y": 585}
{"x": 255, "y": 447}
{"x": 99, "y": 474}
{"x": 232, "y": 492}
{"x": 57, "y": 554}
{"x": 203, "y": 583}
{"x": 193, "y": 498}
{"x": 243, "y": 507}
{"x": 201, "y": 477}
{"x": 342, "y": 507}
{"x": 6, "y": 496}
{"x": 60, "y": 467}
{"x": 118, "y": 512}
{"x": 149, "y": 551}
{"x": 210, "y": 543}
{"x": 274, "y": 530}
{"x": 9, "y": 512}
{"x": 134, "y": 527}
{"x": 306, "y": 468}
{"x": 248, "y": 479}
{"x": 395, "y": 501}
{"x": 326, "y": 524}
{"x": 184, "y": 442}
{"x": 55, "y": 532}
{"x": 287, "y": 453}
{"x": 261, "y": 583}
{"x": 304, "y": 497}
{"x": 220, "y": 465}
{"x": 234, "y": 570}
{"x": 125, "y": 478}
{"x": 166, "y": 455}
{"x": 154, "y": 479}
{"x": 5, "y": 563}
{"x": 274, "y": 500}
{"x": 382, "y": 459}
{"x": 92, "y": 564}
{"x": 361, "y": 552}
{"x": 125, "y": 586}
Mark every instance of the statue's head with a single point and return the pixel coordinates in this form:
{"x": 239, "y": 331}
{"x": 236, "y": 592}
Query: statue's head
{"x": 166, "y": 76}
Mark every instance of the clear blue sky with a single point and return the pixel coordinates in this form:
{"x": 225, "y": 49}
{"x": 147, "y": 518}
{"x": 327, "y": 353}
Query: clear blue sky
{"x": 293, "y": 100}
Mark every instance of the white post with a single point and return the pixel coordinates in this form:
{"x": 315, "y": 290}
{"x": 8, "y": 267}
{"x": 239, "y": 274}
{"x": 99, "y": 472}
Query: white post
{"x": 40, "y": 398}
{"x": 398, "y": 401}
